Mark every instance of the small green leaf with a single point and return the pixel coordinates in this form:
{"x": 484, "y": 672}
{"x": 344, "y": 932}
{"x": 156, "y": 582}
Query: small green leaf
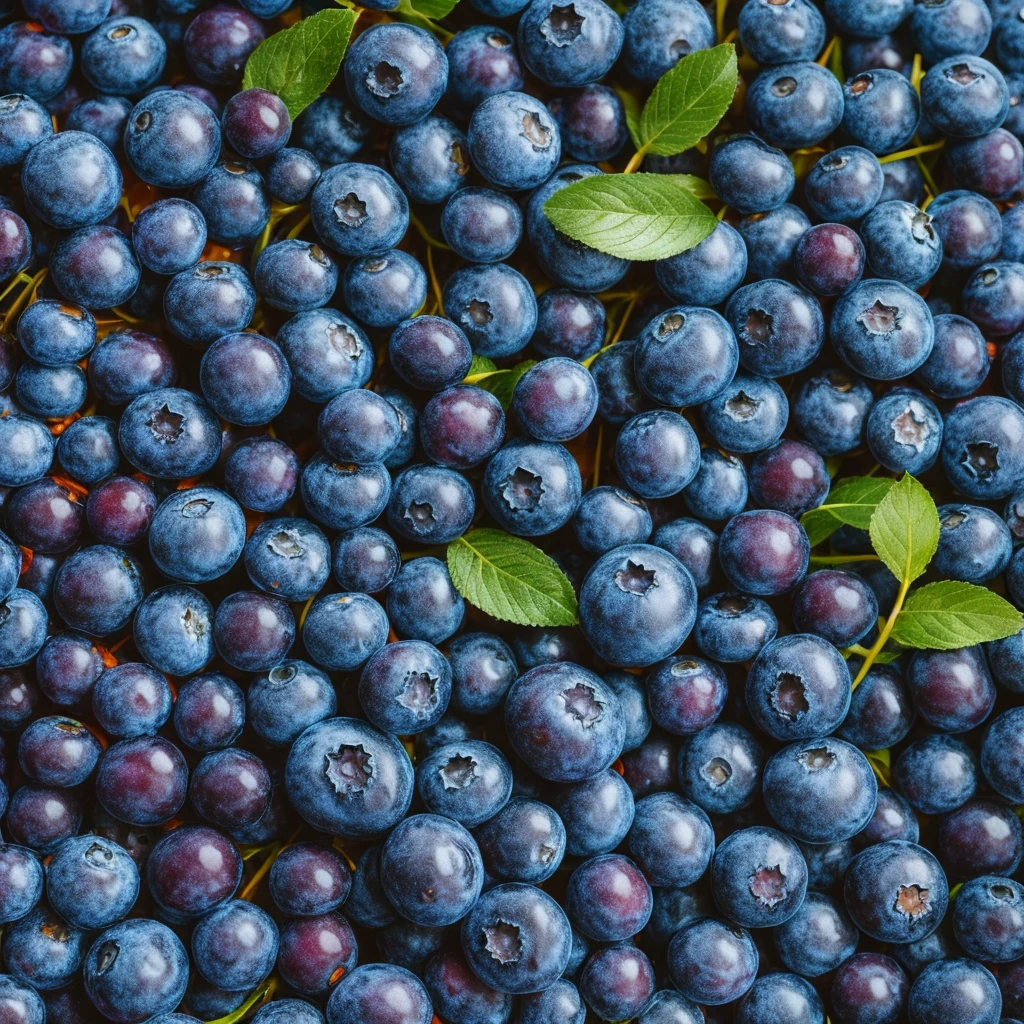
{"x": 689, "y": 100}
{"x": 835, "y": 60}
{"x": 905, "y": 529}
{"x": 435, "y": 9}
{"x": 300, "y": 62}
{"x": 502, "y": 383}
{"x": 632, "y": 216}
{"x": 881, "y": 765}
{"x": 851, "y": 502}
{"x": 511, "y": 579}
{"x": 947, "y": 615}
{"x": 479, "y": 367}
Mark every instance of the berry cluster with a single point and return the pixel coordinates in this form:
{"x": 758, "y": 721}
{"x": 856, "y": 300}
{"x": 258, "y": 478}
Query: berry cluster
{"x": 505, "y": 512}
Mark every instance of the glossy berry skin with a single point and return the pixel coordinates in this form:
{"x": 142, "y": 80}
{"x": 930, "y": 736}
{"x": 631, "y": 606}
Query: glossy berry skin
{"x": 567, "y": 262}
{"x": 457, "y": 992}
{"x": 712, "y": 962}
{"x": 292, "y": 174}
{"x": 880, "y": 712}
{"x": 41, "y": 818}
{"x": 881, "y": 110}
{"x": 385, "y": 289}
{"x": 304, "y": 691}
{"x": 423, "y": 603}
{"x": 136, "y": 969}
{"x": 820, "y": 791}
{"x": 733, "y": 627}
{"x": 959, "y": 361}
{"x": 130, "y": 364}
{"x": 481, "y": 225}
{"x": 359, "y": 426}
{"x": 234, "y": 202}
{"x": 686, "y": 694}
{"x": 142, "y": 781}
{"x": 483, "y": 667}
{"x": 57, "y": 751}
{"x": 53, "y": 333}
{"x": 817, "y": 938}
{"x": 430, "y": 353}
{"x": 494, "y": 305}
{"x": 363, "y": 790}
{"x": 763, "y": 552}
{"x": 309, "y": 879}
{"x": 685, "y": 356}
{"x": 380, "y": 994}
{"x": 358, "y": 209}
{"x": 798, "y": 688}
{"x": 531, "y": 488}
{"x": 952, "y": 690}
{"x": 748, "y": 415}
{"x": 131, "y": 700}
{"x": 836, "y": 605}
{"x": 21, "y": 882}
{"x": 235, "y": 945}
{"x": 608, "y": 517}
{"x": 23, "y": 123}
{"x": 97, "y": 589}
{"x": 882, "y": 330}
{"x": 92, "y": 882}
{"x": 960, "y": 990}
{"x": 749, "y": 175}
{"x": 119, "y": 510}
{"x": 482, "y": 60}
{"x": 289, "y": 558}
{"x": 218, "y": 42}
{"x": 429, "y": 504}
{"x": 462, "y": 426}
{"x": 333, "y": 130}
{"x": 781, "y": 33}
{"x": 563, "y": 721}
{"x": 327, "y": 352}
{"x": 771, "y": 238}
{"x": 617, "y": 982}
{"x": 256, "y": 123}
{"x": 405, "y": 687}
{"x": 829, "y": 258}
{"x": 936, "y": 773}
{"x": 592, "y": 123}
{"x": 795, "y": 105}
{"x": 469, "y": 782}
{"x": 987, "y": 918}
{"x": 657, "y": 454}
{"x": 36, "y": 64}
{"x": 360, "y": 621}
{"x": 779, "y": 327}
{"x": 964, "y": 96}
{"x": 209, "y": 712}
{"x": 637, "y": 605}
{"x": 671, "y": 840}
{"x": 95, "y": 267}
{"x": 396, "y": 73}
{"x": 658, "y": 34}
{"x": 555, "y": 400}
{"x": 597, "y": 813}
{"x": 980, "y": 836}
{"x": 197, "y": 535}
{"x": 719, "y": 490}
{"x": 989, "y": 164}
{"x": 253, "y": 632}
{"x": 969, "y": 227}
{"x": 975, "y": 544}
{"x": 295, "y": 275}
{"x": 980, "y": 453}
{"x": 564, "y": 49}
{"x": 902, "y": 243}
{"x": 431, "y": 870}
{"x": 524, "y": 842}
{"x": 88, "y": 449}
{"x": 869, "y": 988}
{"x": 1002, "y": 755}
{"x": 896, "y": 892}
{"x": 845, "y": 184}
{"x": 516, "y": 939}
{"x": 208, "y": 301}
{"x": 430, "y": 159}
{"x": 790, "y": 477}
{"x": 172, "y": 139}
{"x": 513, "y": 140}
{"x": 192, "y": 870}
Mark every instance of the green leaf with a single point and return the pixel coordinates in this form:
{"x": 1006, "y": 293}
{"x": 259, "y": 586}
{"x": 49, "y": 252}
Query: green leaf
{"x": 835, "y": 60}
{"x": 503, "y": 383}
{"x": 948, "y": 615}
{"x": 851, "y": 502}
{"x": 689, "y": 100}
{"x": 511, "y": 579}
{"x": 905, "y": 529}
{"x": 300, "y": 62}
{"x": 633, "y": 216}
{"x": 435, "y": 9}
{"x": 479, "y": 367}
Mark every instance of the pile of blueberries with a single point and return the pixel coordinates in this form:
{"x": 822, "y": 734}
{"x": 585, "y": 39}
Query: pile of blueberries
{"x": 262, "y": 761}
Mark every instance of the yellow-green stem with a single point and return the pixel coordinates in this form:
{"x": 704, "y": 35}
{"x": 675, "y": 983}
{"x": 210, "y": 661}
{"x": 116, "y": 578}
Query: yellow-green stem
{"x": 883, "y": 636}
{"x": 843, "y": 559}
{"x": 903, "y": 154}
{"x": 635, "y": 160}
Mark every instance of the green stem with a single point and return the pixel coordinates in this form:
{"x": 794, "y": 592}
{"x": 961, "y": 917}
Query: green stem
{"x": 883, "y": 635}
{"x": 843, "y": 559}
{"x": 857, "y": 649}
{"x": 635, "y": 160}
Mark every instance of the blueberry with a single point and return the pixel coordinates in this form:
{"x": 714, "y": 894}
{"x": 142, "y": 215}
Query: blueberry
{"x": 313, "y": 950}
{"x": 845, "y": 184}
{"x": 341, "y": 631}
{"x": 771, "y": 239}
{"x": 256, "y": 123}
{"x": 1002, "y": 755}
{"x": 658, "y": 34}
{"x": 308, "y": 879}
{"x": 829, "y": 258}
{"x": 97, "y": 589}
{"x": 882, "y": 329}
{"x": 92, "y": 882}
{"x": 494, "y": 305}
{"x": 358, "y": 209}
{"x": 749, "y": 175}
{"x": 980, "y": 448}
{"x": 617, "y": 981}
{"x": 592, "y": 123}
{"x": 990, "y": 164}
{"x": 896, "y": 892}
{"x": 818, "y": 938}
{"x": 569, "y": 324}
{"x": 43, "y": 951}
{"x": 524, "y": 842}
{"x": 902, "y": 243}
{"x": 669, "y": 1007}
{"x": 123, "y": 55}
{"x": 569, "y": 47}
{"x": 564, "y": 260}
{"x": 23, "y": 123}
{"x": 209, "y": 712}
{"x": 482, "y": 61}
{"x": 637, "y": 605}
{"x": 460, "y": 995}
{"x": 385, "y": 289}
{"x": 608, "y": 517}
{"x": 37, "y": 64}
{"x": 781, "y": 33}
{"x": 380, "y": 994}
{"x": 405, "y": 687}
{"x": 295, "y": 275}
{"x": 671, "y": 840}
{"x": 342, "y": 495}
{"x": 45, "y": 517}
{"x": 131, "y": 700}
{"x": 21, "y": 882}
{"x": 469, "y": 781}
{"x": 430, "y": 158}
{"x": 327, "y": 352}
{"x": 657, "y": 454}
{"x": 481, "y": 225}
{"x": 881, "y": 110}
{"x": 618, "y": 395}
{"x": 218, "y": 42}
{"x": 197, "y": 535}
{"x": 994, "y": 297}
{"x": 234, "y": 946}
{"x": 172, "y": 139}
{"x": 597, "y": 813}
{"x": 779, "y": 327}
{"x": 764, "y": 552}
{"x": 748, "y": 415}
{"x": 954, "y": 990}
{"x": 289, "y": 558}
{"x": 531, "y": 488}
{"x": 981, "y": 836}
{"x": 950, "y": 28}
{"x": 41, "y": 818}
{"x": 396, "y": 73}
{"x": 719, "y": 490}
{"x": 952, "y": 690}
{"x": 937, "y": 773}
{"x": 559, "y": 1004}
{"x": 964, "y": 96}
{"x": 564, "y": 722}
{"x": 712, "y": 962}
{"x": 95, "y": 267}
{"x": 292, "y": 173}
{"x": 794, "y": 105}
{"x": 868, "y": 987}
{"x": 15, "y": 244}
{"x": 959, "y": 361}
{"x": 513, "y": 140}
{"x": 280, "y": 1011}
{"x": 87, "y": 449}
{"x": 423, "y": 604}
{"x": 464, "y": 425}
